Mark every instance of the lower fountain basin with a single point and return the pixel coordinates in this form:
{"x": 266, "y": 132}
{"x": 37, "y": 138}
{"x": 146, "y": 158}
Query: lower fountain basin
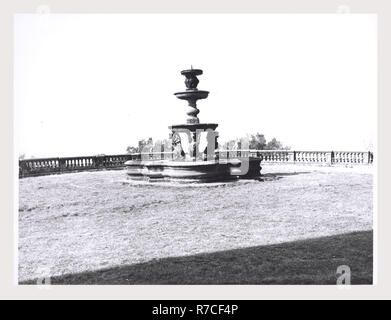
{"x": 193, "y": 171}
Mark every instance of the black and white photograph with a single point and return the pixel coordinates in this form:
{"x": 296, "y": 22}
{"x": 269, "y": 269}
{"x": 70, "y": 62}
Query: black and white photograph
{"x": 195, "y": 149}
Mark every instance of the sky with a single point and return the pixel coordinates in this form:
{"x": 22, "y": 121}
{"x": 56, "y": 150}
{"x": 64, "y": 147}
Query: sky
{"x": 87, "y": 84}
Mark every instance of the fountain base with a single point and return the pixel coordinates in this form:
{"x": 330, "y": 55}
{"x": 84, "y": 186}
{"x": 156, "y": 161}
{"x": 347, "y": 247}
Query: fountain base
{"x": 193, "y": 171}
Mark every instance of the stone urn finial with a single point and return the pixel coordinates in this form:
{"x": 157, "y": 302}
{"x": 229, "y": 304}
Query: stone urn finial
{"x": 191, "y": 81}
{"x": 192, "y": 94}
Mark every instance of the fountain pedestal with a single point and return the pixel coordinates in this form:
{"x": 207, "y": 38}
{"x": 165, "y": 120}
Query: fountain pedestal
{"x": 193, "y": 134}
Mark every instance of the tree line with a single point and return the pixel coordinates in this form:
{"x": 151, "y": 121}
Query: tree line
{"x": 256, "y": 141}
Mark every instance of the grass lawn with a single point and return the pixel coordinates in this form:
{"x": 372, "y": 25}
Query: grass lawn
{"x": 297, "y": 226}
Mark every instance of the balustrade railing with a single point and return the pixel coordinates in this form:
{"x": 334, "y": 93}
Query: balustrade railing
{"x": 42, "y": 166}
{"x": 287, "y": 156}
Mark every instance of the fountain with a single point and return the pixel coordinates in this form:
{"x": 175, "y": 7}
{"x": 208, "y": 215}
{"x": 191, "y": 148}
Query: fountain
{"x": 183, "y": 163}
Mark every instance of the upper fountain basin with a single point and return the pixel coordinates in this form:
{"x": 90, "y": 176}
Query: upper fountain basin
{"x": 192, "y": 94}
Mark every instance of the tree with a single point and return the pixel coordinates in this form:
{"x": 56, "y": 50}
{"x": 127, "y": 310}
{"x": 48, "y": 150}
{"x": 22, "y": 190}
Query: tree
{"x": 274, "y": 144}
{"x": 141, "y": 145}
{"x": 257, "y": 142}
{"x": 131, "y": 149}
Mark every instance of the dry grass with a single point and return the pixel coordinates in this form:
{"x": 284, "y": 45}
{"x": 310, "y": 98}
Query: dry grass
{"x": 74, "y": 223}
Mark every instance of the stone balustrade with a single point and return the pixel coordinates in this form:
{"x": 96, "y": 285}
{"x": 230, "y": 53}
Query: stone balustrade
{"x": 43, "y": 166}
{"x": 287, "y": 156}
{"x": 325, "y": 157}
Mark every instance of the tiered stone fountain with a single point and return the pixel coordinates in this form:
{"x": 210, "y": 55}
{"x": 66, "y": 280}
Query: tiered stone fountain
{"x": 193, "y": 129}
{"x": 186, "y": 161}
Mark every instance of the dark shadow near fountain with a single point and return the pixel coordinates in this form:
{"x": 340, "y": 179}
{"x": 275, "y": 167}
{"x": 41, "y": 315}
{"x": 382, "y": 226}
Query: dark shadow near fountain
{"x": 284, "y": 174}
{"x": 312, "y": 261}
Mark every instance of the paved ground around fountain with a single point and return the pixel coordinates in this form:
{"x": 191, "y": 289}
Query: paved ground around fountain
{"x": 78, "y": 224}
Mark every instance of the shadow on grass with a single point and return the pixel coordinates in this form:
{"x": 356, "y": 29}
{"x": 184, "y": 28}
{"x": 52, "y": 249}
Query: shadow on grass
{"x": 274, "y": 174}
{"x": 312, "y": 261}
